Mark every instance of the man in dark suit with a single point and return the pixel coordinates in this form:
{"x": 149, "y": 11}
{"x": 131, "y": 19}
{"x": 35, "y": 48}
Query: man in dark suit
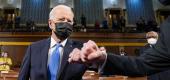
{"x": 152, "y": 38}
{"x": 154, "y": 60}
{"x": 39, "y": 56}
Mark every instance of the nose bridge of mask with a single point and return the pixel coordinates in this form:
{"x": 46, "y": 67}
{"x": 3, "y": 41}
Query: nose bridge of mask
{"x": 59, "y": 25}
{"x": 63, "y": 25}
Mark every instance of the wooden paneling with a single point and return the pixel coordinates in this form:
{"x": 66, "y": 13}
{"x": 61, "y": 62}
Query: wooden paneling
{"x": 11, "y": 75}
{"x": 16, "y": 53}
{"x": 16, "y": 43}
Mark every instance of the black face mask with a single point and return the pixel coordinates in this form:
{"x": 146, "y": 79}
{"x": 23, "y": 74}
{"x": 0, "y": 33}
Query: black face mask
{"x": 63, "y": 30}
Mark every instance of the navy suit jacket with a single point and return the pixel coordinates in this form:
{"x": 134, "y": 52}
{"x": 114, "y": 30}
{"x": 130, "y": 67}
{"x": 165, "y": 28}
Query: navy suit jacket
{"x": 34, "y": 65}
{"x": 154, "y": 60}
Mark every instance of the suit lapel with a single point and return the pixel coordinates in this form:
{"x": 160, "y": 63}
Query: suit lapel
{"x": 64, "y": 64}
{"x": 44, "y": 55}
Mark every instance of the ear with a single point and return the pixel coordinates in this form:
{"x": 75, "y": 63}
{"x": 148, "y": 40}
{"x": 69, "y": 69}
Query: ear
{"x": 51, "y": 26}
{"x": 50, "y": 23}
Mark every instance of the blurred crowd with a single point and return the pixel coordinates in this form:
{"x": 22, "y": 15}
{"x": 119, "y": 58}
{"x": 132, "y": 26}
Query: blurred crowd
{"x": 118, "y": 24}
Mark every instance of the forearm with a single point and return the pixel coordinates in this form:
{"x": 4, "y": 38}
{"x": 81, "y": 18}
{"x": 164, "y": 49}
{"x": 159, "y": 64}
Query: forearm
{"x": 133, "y": 66}
{"x": 122, "y": 65}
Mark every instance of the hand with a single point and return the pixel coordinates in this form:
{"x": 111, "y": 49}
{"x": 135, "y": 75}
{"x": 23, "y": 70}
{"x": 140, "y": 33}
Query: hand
{"x": 90, "y": 53}
{"x": 3, "y": 63}
{"x": 75, "y": 56}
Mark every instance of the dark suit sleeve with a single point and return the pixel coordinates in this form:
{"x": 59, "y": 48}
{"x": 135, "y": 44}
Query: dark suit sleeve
{"x": 25, "y": 67}
{"x": 154, "y": 60}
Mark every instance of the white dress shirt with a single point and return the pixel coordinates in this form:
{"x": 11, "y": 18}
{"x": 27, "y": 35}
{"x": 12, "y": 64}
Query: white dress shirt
{"x": 52, "y": 48}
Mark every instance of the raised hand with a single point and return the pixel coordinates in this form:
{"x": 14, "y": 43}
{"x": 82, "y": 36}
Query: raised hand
{"x": 90, "y": 53}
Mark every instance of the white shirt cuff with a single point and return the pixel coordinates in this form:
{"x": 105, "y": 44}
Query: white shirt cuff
{"x": 101, "y": 66}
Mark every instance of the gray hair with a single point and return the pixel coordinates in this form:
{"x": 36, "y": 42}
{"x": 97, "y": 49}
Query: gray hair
{"x": 52, "y": 14}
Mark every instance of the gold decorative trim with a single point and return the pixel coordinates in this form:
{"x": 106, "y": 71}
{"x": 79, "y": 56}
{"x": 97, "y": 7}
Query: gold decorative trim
{"x": 120, "y": 44}
{"x": 99, "y": 44}
{"x": 15, "y": 43}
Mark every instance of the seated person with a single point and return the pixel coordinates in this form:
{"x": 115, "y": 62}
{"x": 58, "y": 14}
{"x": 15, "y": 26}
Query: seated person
{"x": 122, "y": 52}
{"x": 152, "y": 38}
{"x": 5, "y": 62}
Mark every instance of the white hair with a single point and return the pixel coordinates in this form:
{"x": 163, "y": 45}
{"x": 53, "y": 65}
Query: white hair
{"x": 52, "y": 12}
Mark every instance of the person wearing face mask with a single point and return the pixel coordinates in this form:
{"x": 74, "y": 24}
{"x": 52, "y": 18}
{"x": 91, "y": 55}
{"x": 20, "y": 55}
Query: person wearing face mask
{"x": 48, "y": 59}
{"x": 152, "y": 38}
{"x": 153, "y": 60}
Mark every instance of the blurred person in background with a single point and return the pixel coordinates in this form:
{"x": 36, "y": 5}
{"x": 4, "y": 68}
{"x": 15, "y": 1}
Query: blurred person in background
{"x": 5, "y": 62}
{"x": 122, "y": 52}
{"x": 153, "y": 60}
{"x": 152, "y": 38}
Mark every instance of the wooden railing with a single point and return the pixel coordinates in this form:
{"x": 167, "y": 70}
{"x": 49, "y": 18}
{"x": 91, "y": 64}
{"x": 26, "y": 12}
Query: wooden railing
{"x": 91, "y": 75}
{"x": 16, "y": 42}
{"x": 11, "y": 75}
{"x": 99, "y": 44}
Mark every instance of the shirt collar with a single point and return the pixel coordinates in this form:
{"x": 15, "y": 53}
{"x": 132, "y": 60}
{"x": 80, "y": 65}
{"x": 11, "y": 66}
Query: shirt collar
{"x": 53, "y": 42}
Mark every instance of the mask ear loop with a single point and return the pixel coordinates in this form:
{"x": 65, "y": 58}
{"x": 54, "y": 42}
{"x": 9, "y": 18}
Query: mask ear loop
{"x": 53, "y": 30}
{"x": 51, "y": 27}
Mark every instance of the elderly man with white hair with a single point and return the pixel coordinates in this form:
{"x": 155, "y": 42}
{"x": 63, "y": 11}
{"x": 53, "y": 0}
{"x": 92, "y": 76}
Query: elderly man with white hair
{"x": 48, "y": 59}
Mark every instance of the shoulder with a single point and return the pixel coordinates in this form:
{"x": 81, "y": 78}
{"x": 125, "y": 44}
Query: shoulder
{"x": 40, "y": 43}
